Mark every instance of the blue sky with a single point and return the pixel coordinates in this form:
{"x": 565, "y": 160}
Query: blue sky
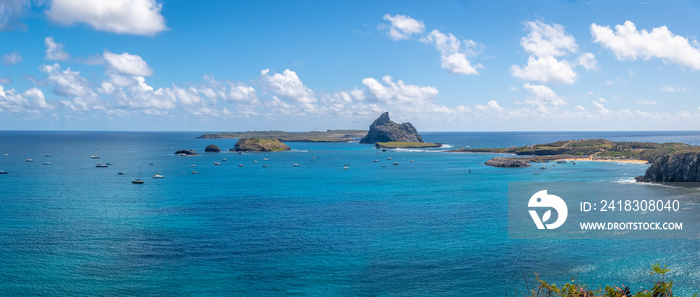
{"x": 305, "y": 65}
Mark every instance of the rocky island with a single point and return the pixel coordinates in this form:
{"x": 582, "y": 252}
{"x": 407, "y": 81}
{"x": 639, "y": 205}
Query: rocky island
{"x": 313, "y": 136}
{"x": 385, "y": 133}
{"x": 591, "y": 149}
{"x": 212, "y": 149}
{"x": 259, "y": 145}
{"x": 678, "y": 167}
{"x": 186, "y": 153}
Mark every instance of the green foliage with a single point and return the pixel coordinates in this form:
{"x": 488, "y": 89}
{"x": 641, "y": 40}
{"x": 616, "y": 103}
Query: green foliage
{"x": 648, "y": 151}
{"x": 661, "y": 288}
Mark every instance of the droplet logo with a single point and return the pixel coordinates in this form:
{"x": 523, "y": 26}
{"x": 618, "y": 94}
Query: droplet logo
{"x": 542, "y": 199}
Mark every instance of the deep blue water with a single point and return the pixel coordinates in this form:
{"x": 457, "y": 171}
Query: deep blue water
{"x": 423, "y": 228}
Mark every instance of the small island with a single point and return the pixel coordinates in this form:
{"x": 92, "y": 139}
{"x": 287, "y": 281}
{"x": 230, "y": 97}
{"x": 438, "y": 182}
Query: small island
{"x": 259, "y": 145}
{"x": 387, "y": 134}
{"x": 212, "y": 148}
{"x": 313, "y": 136}
{"x": 186, "y": 153}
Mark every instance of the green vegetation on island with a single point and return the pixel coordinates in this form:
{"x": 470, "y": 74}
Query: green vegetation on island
{"x": 259, "y": 145}
{"x": 593, "y": 148}
{"x": 661, "y": 288}
{"x": 402, "y": 144}
{"x": 313, "y": 136}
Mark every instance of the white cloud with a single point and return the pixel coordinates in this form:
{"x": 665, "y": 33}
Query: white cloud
{"x": 646, "y": 102}
{"x": 10, "y": 101}
{"x": 546, "y": 43}
{"x": 490, "y": 106}
{"x": 545, "y": 40}
{"x": 545, "y": 70}
{"x": 600, "y": 107}
{"x": 542, "y": 96}
{"x": 587, "y": 61}
{"x": 10, "y": 12}
{"x": 628, "y": 43}
{"x": 54, "y": 50}
{"x": 5, "y": 80}
{"x": 242, "y": 93}
{"x": 37, "y": 97}
{"x": 31, "y": 100}
{"x": 672, "y": 89}
{"x": 67, "y": 83}
{"x": 128, "y": 64}
{"x": 453, "y": 52}
{"x": 403, "y": 26}
{"x": 137, "y": 17}
{"x": 398, "y": 91}
{"x": 188, "y": 96}
{"x": 141, "y": 96}
{"x": 288, "y": 84}
{"x": 12, "y": 58}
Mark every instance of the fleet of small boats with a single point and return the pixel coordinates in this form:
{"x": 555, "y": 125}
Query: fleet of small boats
{"x": 138, "y": 180}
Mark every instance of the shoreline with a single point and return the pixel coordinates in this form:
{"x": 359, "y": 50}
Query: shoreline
{"x": 589, "y": 159}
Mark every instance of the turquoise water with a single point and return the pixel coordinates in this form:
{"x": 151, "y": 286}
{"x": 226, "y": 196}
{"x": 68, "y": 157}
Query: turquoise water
{"x": 422, "y": 228}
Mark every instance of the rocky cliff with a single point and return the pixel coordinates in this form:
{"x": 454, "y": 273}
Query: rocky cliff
{"x": 383, "y": 129}
{"x": 508, "y": 162}
{"x": 678, "y": 167}
{"x": 259, "y": 145}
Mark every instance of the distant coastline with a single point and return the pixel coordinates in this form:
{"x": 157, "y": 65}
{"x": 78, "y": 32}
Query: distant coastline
{"x": 312, "y": 136}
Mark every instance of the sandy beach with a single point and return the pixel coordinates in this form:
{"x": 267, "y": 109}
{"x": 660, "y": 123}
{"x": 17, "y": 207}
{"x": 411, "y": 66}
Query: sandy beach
{"x": 611, "y": 160}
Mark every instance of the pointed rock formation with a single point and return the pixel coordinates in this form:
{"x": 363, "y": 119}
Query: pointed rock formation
{"x": 384, "y": 129}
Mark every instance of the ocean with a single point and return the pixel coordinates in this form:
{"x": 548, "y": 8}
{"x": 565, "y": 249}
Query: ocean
{"x": 434, "y": 225}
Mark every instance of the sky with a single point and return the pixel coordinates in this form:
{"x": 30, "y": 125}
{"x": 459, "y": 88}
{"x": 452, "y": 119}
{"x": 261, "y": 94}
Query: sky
{"x": 147, "y": 65}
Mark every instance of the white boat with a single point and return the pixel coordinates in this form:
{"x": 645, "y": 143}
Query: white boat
{"x": 195, "y": 172}
{"x": 240, "y": 165}
{"x": 224, "y": 160}
{"x": 47, "y": 155}
{"x": 388, "y": 158}
{"x": 47, "y": 163}
{"x": 295, "y": 165}
{"x": 100, "y": 165}
{"x": 346, "y": 168}
{"x": 265, "y": 166}
{"x": 95, "y": 157}
{"x": 3, "y": 172}
{"x": 396, "y": 163}
{"x": 375, "y": 160}
{"x": 266, "y": 159}
{"x": 193, "y": 165}
{"x": 217, "y": 163}
{"x": 29, "y": 160}
{"x": 159, "y": 174}
{"x": 256, "y": 161}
